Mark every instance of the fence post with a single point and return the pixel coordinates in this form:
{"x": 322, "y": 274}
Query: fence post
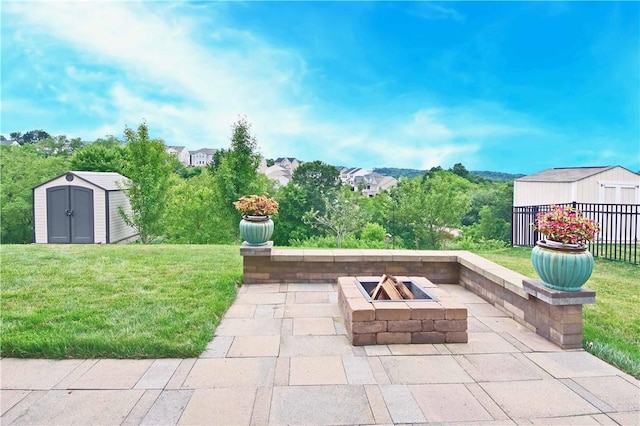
{"x": 536, "y": 235}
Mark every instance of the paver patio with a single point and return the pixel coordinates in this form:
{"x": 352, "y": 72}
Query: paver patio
{"x": 281, "y": 356}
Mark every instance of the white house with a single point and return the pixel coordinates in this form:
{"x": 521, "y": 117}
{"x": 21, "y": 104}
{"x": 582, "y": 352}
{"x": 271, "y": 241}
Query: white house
{"x": 354, "y": 176}
{"x": 81, "y": 208}
{"x": 279, "y": 174}
{"x": 181, "y": 153}
{"x": 376, "y": 183}
{"x": 202, "y": 157}
{"x": 604, "y": 185}
{"x": 289, "y": 163}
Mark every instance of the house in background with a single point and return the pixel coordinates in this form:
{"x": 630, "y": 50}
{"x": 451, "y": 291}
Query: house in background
{"x": 603, "y": 185}
{"x": 376, "y": 183}
{"x": 282, "y": 169}
{"x": 369, "y": 183}
{"x": 289, "y": 163}
{"x": 181, "y": 153}
{"x": 81, "y": 208}
{"x": 202, "y": 157}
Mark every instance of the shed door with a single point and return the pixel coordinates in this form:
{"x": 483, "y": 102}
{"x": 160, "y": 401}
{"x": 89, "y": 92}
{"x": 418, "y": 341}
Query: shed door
{"x": 70, "y": 215}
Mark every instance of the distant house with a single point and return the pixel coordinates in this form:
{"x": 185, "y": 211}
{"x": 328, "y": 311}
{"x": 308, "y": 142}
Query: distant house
{"x": 604, "y": 185}
{"x": 376, "y": 183}
{"x": 282, "y": 169}
{"x": 288, "y": 163}
{"x": 354, "y": 176}
{"x": 369, "y": 183}
{"x": 181, "y": 153}
{"x": 279, "y": 174}
{"x": 81, "y": 208}
{"x": 202, "y": 157}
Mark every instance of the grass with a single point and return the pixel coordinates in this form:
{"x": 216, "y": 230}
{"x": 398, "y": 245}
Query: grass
{"x": 132, "y": 301}
{"x": 611, "y": 326}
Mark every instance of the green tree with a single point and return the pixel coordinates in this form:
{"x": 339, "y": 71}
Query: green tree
{"x": 289, "y": 222}
{"x": 237, "y": 172}
{"x": 341, "y": 217}
{"x": 189, "y": 214}
{"x": 490, "y": 215}
{"x": 148, "y": 166}
{"x": 22, "y": 168}
{"x": 59, "y": 145}
{"x": 429, "y": 209}
{"x": 99, "y": 158}
{"x": 32, "y": 136}
{"x": 314, "y": 182}
{"x": 321, "y": 177}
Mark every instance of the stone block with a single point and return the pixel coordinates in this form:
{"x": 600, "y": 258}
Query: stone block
{"x": 450, "y": 325}
{"x": 568, "y": 328}
{"x": 428, "y": 337}
{"x": 364, "y": 327}
{"x": 361, "y": 310}
{"x": 456, "y": 337}
{"x": 404, "y": 326}
{"x": 391, "y": 311}
{"x": 351, "y": 292}
{"x": 393, "y": 338}
{"x": 453, "y": 309}
{"x": 425, "y": 310}
{"x": 364, "y": 339}
{"x": 427, "y": 325}
{"x": 347, "y": 282}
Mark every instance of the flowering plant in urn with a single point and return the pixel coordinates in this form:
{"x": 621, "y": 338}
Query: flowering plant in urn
{"x": 257, "y": 205}
{"x": 566, "y": 225}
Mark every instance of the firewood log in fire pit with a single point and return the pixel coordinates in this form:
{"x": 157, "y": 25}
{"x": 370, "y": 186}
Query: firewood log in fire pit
{"x": 390, "y": 288}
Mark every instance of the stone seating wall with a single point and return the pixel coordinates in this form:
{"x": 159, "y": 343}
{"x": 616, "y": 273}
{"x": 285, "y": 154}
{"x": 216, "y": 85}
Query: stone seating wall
{"x": 553, "y": 314}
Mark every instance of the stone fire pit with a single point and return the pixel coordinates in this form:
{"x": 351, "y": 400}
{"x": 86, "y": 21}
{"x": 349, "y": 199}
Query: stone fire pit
{"x": 433, "y": 317}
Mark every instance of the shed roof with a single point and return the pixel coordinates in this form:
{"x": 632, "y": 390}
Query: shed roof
{"x": 105, "y": 180}
{"x": 564, "y": 174}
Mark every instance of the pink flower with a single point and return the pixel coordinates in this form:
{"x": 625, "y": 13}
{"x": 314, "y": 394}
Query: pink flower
{"x": 565, "y": 225}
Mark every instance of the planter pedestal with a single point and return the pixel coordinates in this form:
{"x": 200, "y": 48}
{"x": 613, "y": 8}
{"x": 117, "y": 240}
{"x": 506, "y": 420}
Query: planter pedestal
{"x": 557, "y": 315}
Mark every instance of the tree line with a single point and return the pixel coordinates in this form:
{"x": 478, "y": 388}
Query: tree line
{"x": 175, "y": 204}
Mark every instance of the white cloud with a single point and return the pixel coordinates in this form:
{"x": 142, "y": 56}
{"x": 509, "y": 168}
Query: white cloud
{"x": 191, "y": 77}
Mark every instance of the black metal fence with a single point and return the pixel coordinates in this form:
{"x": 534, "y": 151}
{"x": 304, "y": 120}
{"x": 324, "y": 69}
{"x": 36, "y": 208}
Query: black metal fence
{"x": 617, "y": 239}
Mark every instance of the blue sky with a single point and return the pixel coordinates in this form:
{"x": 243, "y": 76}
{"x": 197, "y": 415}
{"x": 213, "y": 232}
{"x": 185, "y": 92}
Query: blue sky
{"x": 506, "y": 86}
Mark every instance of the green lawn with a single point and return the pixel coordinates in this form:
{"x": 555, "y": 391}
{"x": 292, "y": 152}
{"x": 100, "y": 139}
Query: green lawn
{"x": 134, "y": 301}
{"x": 612, "y": 324}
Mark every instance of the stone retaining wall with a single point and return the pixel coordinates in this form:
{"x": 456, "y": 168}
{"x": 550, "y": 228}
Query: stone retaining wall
{"x": 553, "y": 314}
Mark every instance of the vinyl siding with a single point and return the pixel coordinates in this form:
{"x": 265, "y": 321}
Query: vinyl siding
{"x": 118, "y": 229}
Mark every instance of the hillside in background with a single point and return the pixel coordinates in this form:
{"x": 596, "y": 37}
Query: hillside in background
{"x": 496, "y": 175}
{"x": 409, "y": 173}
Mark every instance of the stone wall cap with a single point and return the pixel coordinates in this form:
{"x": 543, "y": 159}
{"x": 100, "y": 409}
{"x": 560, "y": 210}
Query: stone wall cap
{"x": 537, "y": 289}
{"x": 249, "y": 250}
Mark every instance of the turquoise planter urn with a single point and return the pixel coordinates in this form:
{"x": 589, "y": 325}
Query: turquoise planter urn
{"x": 256, "y": 230}
{"x": 564, "y": 267}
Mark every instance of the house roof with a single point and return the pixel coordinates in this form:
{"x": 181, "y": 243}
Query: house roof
{"x": 208, "y": 151}
{"x": 176, "y": 148}
{"x": 564, "y": 174}
{"x": 105, "y": 180}
{"x": 290, "y": 159}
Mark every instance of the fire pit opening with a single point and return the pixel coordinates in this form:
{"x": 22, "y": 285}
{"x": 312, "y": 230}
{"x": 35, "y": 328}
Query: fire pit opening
{"x": 390, "y": 289}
